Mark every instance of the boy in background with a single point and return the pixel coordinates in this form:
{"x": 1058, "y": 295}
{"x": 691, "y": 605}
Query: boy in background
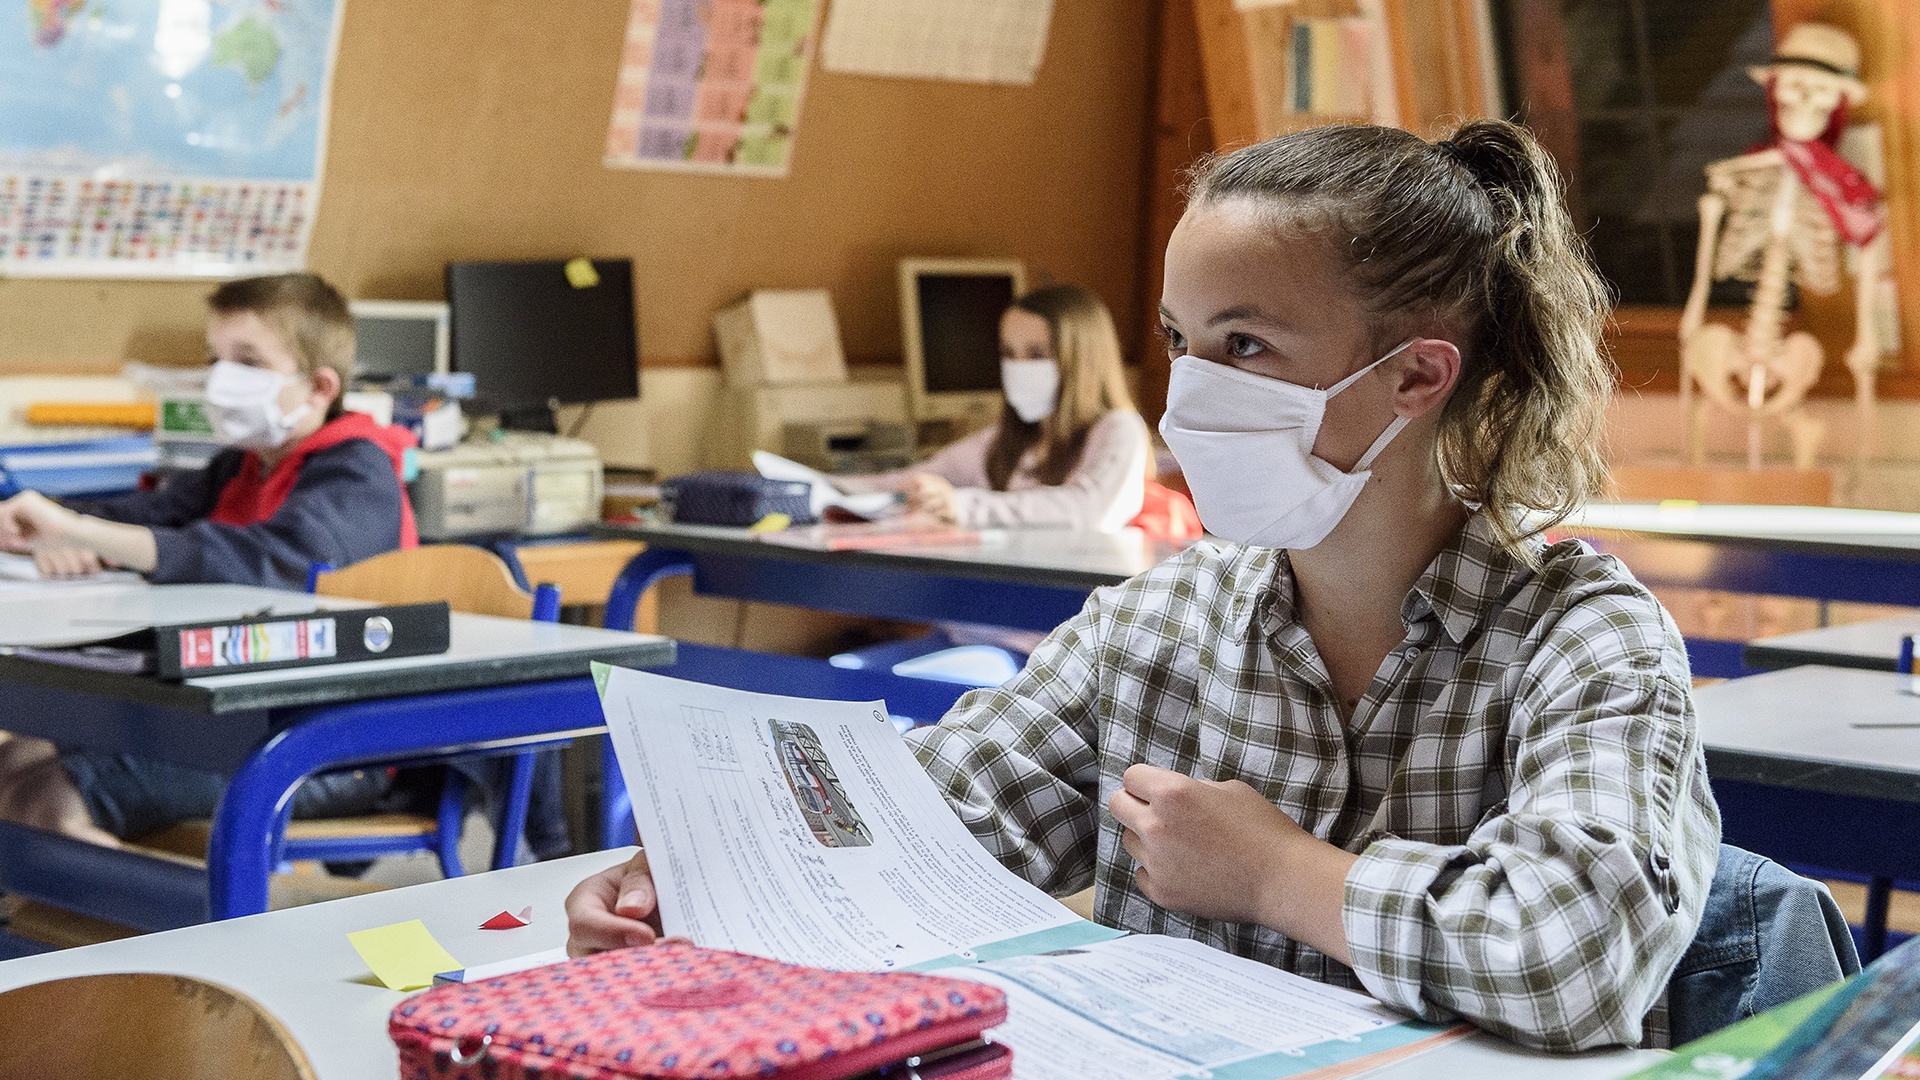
{"x": 301, "y": 481}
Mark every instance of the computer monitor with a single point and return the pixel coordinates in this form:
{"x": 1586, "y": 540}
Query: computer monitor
{"x": 950, "y": 328}
{"x": 534, "y": 336}
{"x": 397, "y": 338}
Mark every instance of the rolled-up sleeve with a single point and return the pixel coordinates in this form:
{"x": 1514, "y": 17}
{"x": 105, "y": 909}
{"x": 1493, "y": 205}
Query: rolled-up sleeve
{"x": 1559, "y": 920}
{"x": 1017, "y": 762}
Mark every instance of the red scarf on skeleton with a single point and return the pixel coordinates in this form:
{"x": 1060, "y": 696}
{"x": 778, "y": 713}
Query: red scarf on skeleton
{"x": 1851, "y": 201}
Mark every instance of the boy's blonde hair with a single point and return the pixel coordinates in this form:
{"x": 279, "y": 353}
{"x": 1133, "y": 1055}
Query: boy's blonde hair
{"x": 310, "y": 316}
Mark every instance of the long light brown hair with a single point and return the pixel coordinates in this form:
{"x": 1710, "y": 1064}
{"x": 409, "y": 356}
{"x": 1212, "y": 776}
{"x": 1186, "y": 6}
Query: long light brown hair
{"x": 1470, "y": 236}
{"x": 1092, "y": 385}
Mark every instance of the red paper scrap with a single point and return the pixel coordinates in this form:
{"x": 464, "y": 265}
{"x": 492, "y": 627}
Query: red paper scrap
{"x": 507, "y": 920}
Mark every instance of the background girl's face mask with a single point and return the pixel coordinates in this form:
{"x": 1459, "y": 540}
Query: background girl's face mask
{"x": 1245, "y": 445}
{"x": 1032, "y": 387}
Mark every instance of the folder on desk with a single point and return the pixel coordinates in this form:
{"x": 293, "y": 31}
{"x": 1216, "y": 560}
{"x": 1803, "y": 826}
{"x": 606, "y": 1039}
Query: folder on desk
{"x": 266, "y": 641}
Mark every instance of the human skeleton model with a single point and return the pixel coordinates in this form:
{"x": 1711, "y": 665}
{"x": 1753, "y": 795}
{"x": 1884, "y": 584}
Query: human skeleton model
{"x": 1776, "y": 216}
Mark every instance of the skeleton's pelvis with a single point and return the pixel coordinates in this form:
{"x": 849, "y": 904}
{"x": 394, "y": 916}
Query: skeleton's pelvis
{"x": 1716, "y": 360}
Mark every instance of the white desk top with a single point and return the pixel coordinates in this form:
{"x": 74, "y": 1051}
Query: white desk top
{"x": 52, "y": 614}
{"x": 1068, "y": 558}
{"x": 298, "y": 965}
{"x": 483, "y": 650}
{"x": 1866, "y": 531}
{"x": 1809, "y": 728}
{"x": 1873, "y": 645}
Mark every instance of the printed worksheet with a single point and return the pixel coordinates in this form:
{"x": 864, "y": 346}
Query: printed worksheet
{"x": 806, "y": 831}
{"x": 1142, "y": 1007}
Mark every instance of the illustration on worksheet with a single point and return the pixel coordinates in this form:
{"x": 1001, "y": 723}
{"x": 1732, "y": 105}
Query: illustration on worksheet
{"x": 816, "y": 790}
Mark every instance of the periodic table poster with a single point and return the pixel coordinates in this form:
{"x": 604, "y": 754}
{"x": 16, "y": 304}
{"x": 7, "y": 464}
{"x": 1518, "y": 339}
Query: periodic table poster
{"x": 711, "y": 85}
{"x": 162, "y": 138}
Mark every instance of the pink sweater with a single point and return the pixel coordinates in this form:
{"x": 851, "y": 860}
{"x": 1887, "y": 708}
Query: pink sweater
{"x": 1103, "y": 492}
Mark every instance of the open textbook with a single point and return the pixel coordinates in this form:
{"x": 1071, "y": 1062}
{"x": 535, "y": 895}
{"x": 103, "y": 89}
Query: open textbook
{"x": 806, "y": 831}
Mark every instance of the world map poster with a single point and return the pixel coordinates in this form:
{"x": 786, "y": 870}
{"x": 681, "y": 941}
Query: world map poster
{"x": 161, "y": 138}
{"x": 711, "y": 85}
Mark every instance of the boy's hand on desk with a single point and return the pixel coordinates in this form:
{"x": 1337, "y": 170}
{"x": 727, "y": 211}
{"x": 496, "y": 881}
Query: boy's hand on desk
{"x": 30, "y": 518}
{"x": 61, "y": 562}
{"x": 1220, "y": 850}
{"x": 613, "y": 909}
{"x": 931, "y": 495}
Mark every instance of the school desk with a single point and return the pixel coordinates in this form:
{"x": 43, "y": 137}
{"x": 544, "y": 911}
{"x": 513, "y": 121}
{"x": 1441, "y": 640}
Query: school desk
{"x": 1817, "y": 552}
{"x": 1820, "y": 766}
{"x": 298, "y": 965}
{"x": 503, "y": 683}
{"x": 1028, "y": 579}
{"x": 1874, "y": 646}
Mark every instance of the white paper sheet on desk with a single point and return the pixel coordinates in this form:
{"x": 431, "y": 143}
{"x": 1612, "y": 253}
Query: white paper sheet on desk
{"x": 805, "y": 831}
{"x": 16, "y": 570}
{"x": 826, "y": 493}
{"x": 1148, "y": 1007}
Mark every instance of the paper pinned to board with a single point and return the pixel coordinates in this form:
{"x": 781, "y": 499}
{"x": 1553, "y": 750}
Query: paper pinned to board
{"x": 403, "y": 956}
{"x": 983, "y": 41}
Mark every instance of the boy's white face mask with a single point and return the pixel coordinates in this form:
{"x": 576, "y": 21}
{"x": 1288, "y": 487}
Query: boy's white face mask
{"x": 243, "y": 405}
{"x": 1032, "y": 387}
{"x": 1245, "y": 445}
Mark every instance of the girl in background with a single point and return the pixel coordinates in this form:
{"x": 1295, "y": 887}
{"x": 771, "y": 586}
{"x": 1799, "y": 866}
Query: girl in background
{"x": 1070, "y": 450}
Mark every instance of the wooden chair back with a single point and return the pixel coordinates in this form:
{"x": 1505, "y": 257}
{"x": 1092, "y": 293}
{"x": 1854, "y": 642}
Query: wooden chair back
{"x": 1739, "y": 487}
{"x": 161, "y": 1027}
{"x": 468, "y": 578}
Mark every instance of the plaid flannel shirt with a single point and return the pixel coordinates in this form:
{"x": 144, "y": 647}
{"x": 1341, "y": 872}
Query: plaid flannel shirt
{"x": 1523, "y": 780}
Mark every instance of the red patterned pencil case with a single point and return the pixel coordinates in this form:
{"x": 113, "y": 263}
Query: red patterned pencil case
{"x": 679, "y": 1012}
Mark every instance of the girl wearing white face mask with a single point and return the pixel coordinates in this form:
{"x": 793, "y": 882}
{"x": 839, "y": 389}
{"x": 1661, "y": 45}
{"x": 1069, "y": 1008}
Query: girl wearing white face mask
{"x": 1388, "y": 737}
{"x": 1070, "y": 450}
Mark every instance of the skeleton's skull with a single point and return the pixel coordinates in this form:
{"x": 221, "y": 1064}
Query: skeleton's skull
{"x": 1804, "y": 99}
{"x": 1815, "y": 68}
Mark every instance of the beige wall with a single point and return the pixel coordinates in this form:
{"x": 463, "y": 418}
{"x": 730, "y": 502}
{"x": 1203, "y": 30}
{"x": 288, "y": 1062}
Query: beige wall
{"x": 472, "y": 129}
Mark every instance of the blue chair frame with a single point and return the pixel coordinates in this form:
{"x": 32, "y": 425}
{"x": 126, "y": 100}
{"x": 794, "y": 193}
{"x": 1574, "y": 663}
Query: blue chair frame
{"x": 444, "y": 841}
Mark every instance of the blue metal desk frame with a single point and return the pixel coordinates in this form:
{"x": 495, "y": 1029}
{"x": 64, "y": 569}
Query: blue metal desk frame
{"x": 269, "y": 751}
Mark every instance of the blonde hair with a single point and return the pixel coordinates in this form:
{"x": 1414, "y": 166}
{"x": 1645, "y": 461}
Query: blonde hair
{"x": 1092, "y": 384}
{"x": 1471, "y": 232}
{"x": 310, "y": 316}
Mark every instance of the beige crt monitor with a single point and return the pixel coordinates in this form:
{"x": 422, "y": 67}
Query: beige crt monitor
{"x": 950, "y": 330}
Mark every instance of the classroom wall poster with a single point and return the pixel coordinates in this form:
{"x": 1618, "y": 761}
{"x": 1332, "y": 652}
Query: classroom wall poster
{"x": 982, "y": 41}
{"x": 162, "y": 138}
{"x": 711, "y": 85}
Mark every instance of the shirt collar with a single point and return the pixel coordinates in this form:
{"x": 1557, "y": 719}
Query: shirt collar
{"x": 1469, "y": 577}
{"x": 1472, "y": 574}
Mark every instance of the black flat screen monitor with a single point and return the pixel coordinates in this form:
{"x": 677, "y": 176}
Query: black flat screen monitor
{"x": 531, "y": 337}
{"x": 960, "y": 330}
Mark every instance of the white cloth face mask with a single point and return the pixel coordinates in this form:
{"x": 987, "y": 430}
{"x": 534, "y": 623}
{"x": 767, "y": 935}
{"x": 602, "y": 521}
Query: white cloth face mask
{"x": 1245, "y": 445}
{"x": 1032, "y": 387}
{"x": 243, "y": 405}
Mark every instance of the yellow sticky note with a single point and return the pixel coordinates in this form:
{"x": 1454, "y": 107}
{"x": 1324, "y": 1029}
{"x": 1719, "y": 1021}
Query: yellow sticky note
{"x": 770, "y": 523}
{"x": 404, "y": 956}
{"x": 581, "y": 274}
